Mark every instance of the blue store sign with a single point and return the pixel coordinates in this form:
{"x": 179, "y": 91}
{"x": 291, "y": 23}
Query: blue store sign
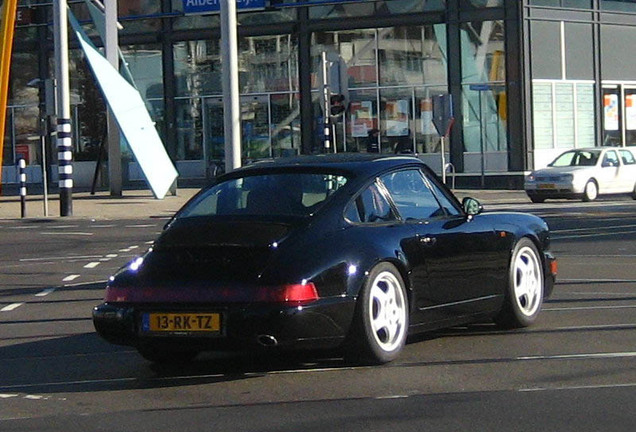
{"x": 207, "y": 6}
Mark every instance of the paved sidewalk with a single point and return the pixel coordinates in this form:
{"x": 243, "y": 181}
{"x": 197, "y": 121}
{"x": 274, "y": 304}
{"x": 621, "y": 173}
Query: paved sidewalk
{"x": 133, "y": 204}
{"x": 141, "y": 203}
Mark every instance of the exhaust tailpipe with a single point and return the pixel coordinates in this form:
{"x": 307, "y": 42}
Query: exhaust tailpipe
{"x": 267, "y": 340}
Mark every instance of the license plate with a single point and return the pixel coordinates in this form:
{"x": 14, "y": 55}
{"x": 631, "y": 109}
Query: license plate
{"x": 181, "y": 322}
{"x": 547, "y": 186}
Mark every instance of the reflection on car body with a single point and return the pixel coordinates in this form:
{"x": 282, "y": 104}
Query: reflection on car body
{"x": 332, "y": 251}
{"x": 585, "y": 173}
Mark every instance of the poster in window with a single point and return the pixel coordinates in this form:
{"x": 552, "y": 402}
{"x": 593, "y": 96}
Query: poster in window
{"x": 361, "y": 118}
{"x": 397, "y": 118}
{"x": 630, "y": 112}
{"x": 426, "y": 116}
{"x": 610, "y": 108}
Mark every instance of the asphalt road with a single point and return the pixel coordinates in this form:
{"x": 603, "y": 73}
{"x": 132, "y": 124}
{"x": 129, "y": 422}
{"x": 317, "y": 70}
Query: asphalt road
{"x": 575, "y": 370}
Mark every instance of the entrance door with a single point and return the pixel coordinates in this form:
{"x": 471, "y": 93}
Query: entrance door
{"x": 619, "y": 115}
{"x": 612, "y": 116}
{"x": 255, "y": 127}
{"x": 629, "y": 98}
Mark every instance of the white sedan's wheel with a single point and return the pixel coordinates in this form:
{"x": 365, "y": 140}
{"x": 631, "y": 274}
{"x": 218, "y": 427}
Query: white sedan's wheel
{"x": 381, "y": 321}
{"x": 524, "y": 296}
{"x": 591, "y": 191}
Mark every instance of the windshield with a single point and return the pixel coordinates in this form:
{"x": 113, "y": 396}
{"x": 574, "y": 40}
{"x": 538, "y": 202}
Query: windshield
{"x": 577, "y": 158}
{"x": 288, "y": 194}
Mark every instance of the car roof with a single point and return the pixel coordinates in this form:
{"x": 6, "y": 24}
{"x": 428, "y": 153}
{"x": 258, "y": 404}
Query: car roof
{"x": 352, "y": 163}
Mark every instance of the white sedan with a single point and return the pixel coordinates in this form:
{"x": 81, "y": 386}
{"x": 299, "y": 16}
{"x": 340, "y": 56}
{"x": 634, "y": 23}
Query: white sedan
{"x": 584, "y": 173}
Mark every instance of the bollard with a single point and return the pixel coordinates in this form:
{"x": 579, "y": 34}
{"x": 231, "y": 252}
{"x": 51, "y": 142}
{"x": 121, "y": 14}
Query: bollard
{"x": 23, "y": 191}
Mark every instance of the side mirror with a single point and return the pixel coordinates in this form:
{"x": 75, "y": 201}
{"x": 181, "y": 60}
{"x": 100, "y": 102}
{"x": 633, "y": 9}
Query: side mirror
{"x": 471, "y": 206}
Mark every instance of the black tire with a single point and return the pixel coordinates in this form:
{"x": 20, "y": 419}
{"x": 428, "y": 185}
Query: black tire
{"x": 634, "y": 192}
{"x": 590, "y": 193}
{"x": 381, "y": 320}
{"x": 526, "y": 287}
{"x": 162, "y": 355}
{"x": 537, "y": 200}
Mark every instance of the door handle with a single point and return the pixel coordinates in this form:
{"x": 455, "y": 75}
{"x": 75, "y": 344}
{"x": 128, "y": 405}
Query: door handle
{"x": 428, "y": 241}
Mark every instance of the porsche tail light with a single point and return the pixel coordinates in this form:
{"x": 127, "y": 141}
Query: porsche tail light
{"x": 290, "y": 293}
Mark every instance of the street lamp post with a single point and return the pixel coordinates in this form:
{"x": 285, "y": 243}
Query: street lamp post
{"x": 64, "y": 136}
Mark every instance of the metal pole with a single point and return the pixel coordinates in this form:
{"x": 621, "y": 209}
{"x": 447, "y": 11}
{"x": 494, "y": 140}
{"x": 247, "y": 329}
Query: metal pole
{"x": 231, "y": 106}
{"x": 64, "y": 136}
{"x": 23, "y": 191}
{"x": 326, "y": 98}
{"x": 111, "y": 46}
{"x": 45, "y": 184}
{"x": 443, "y": 146}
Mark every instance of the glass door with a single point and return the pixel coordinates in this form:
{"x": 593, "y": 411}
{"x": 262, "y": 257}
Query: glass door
{"x": 629, "y": 100}
{"x": 612, "y": 118}
{"x": 255, "y": 127}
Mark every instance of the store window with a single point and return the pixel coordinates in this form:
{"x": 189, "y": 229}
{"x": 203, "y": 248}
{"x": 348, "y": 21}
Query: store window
{"x": 411, "y": 55}
{"x": 573, "y": 4}
{"x": 484, "y": 96}
{"x": 393, "y": 73}
{"x": 374, "y": 8}
{"x": 481, "y": 3}
{"x": 618, "y": 5}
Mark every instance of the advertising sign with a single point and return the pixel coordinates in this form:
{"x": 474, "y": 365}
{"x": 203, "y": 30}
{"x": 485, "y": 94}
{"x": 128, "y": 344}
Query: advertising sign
{"x": 610, "y": 108}
{"x": 208, "y": 6}
{"x": 361, "y": 118}
{"x": 630, "y": 112}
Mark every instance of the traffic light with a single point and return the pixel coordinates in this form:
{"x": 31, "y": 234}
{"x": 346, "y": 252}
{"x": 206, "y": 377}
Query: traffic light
{"x": 337, "y": 105}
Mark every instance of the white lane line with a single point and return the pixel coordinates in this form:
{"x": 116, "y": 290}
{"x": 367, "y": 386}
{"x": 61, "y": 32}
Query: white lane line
{"x": 11, "y": 307}
{"x": 140, "y": 226}
{"x": 111, "y": 256}
{"x": 92, "y": 265}
{"x": 582, "y": 308}
{"x": 67, "y": 233}
{"x": 61, "y": 258}
{"x": 8, "y": 395}
{"x": 582, "y": 387}
{"x": 580, "y": 356}
{"x": 45, "y": 292}
{"x": 70, "y": 278}
{"x": 128, "y": 249}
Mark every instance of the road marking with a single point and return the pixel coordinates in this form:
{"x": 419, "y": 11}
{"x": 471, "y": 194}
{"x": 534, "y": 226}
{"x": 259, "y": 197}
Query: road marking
{"x": 559, "y": 237}
{"x": 7, "y": 395}
{"x": 11, "y": 307}
{"x": 111, "y": 256}
{"x": 128, "y": 249}
{"x": 45, "y": 292}
{"x": 67, "y": 233}
{"x": 140, "y": 226}
{"x": 580, "y": 356}
{"x": 582, "y": 387}
{"x": 581, "y": 308}
{"x": 70, "y": 278}
{"x": 592, "y": 228}
{"x": 60, "y": 258}
{"x": 92, "y": 265}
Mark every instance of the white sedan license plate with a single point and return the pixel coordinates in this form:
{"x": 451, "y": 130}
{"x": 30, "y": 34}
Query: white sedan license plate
{"x": 204, "y": 323}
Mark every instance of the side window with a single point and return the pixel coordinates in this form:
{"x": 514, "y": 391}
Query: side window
{"x": 450, "y": 206}
{"x": 610, "y": 159}
{"x": 369, "y": 207}
{"x": 627, "y": 157}
{"x": 412, "y": 195}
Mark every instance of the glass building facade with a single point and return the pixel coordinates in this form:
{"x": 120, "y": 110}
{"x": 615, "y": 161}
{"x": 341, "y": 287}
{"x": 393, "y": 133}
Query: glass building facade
{"x": 527, "y": 79}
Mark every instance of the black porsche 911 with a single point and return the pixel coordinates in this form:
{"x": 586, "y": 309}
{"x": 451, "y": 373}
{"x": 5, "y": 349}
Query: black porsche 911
{"x": 329, "y": 251}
